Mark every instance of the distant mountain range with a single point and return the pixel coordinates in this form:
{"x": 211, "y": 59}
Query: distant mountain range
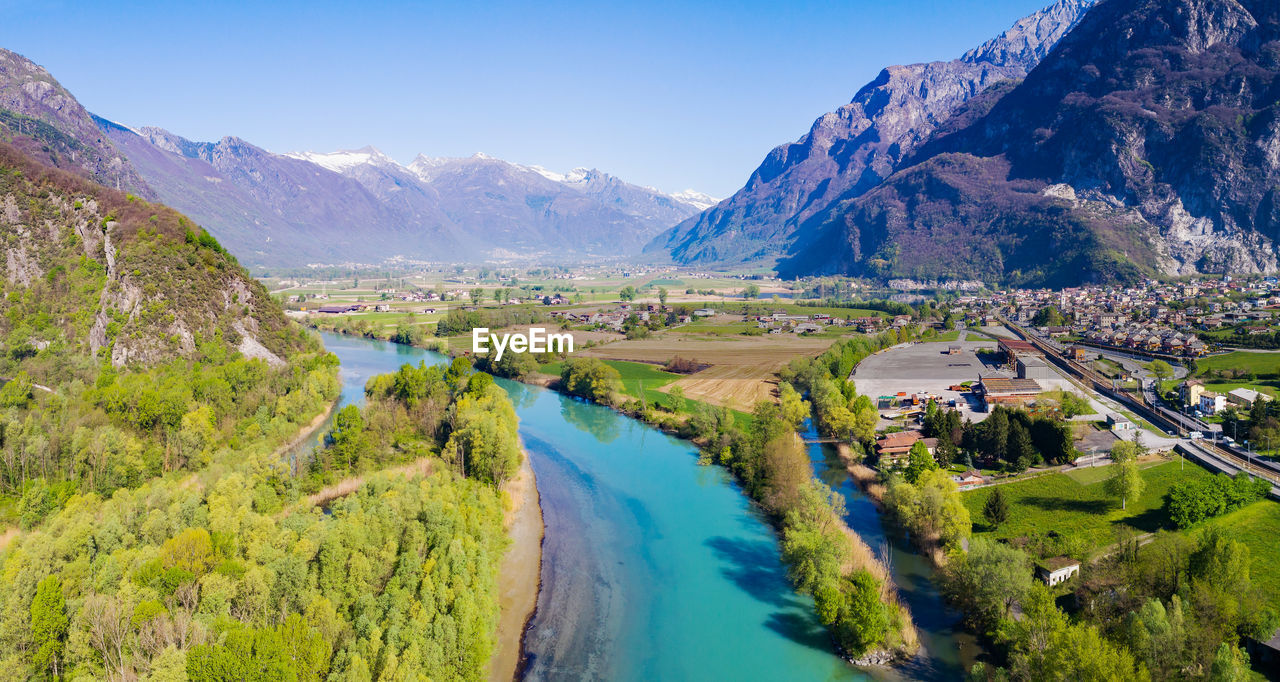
{"x": 349, "y": 206}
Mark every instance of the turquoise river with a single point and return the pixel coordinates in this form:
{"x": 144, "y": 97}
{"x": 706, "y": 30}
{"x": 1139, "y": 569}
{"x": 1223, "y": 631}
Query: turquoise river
{"x": 656, "y": 568}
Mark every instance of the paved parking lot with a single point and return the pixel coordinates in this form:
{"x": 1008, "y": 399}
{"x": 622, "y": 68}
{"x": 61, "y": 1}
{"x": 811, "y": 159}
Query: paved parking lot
{"x": 927, "y": 368}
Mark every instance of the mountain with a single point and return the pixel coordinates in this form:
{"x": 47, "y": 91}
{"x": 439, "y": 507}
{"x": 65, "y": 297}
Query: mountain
{"x": 1148, "y": 141}
{"x": 279, "y": 210}
{"x": 90, "y": 271}
{"x": 43, "y": 120}
{"x": 530, "y": 209}
{"x": 350, "y": 206}
{"x": 851, "y": 150}
{"x": 290, "y": 209}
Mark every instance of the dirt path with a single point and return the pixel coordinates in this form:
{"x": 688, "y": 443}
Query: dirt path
{"x": 418, "y": 467}
{"x": 7, "y": 536}
{"x": 520, "y": 574}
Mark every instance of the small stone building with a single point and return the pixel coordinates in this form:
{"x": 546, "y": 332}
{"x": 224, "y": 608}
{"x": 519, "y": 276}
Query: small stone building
{"x": 1057, "y": 570}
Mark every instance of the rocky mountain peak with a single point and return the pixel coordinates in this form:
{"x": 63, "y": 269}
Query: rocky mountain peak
{"x": 851, "y": 150}
{"x": 1031, "y": 37}
{"x": 42, "y": 119}
{"x": 1144, "y": 143}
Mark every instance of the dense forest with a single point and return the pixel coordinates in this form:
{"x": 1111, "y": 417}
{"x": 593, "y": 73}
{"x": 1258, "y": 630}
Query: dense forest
{"x": 235, "y": 573}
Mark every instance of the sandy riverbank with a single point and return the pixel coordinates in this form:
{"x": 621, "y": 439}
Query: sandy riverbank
{"x": 307, "y": 431}
{"x": 520, "y": 574}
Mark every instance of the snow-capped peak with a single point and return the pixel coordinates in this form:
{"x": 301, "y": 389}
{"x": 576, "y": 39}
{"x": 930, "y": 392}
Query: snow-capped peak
{"x": 698, "y": 200}
{"x": 573, "y": 177}
{"x": 342, "y": 160}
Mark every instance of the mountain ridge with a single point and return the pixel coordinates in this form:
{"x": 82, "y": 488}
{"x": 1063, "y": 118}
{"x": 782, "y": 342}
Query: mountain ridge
{"x": 854, "y": 148}
{"x": 43, "y": 120}
{"x": 1151, "y": 131}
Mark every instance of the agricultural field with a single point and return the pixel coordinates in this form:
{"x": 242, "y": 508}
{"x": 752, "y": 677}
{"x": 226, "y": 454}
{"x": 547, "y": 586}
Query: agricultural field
{"x": 1258, "y": 363}
{"x": 1077, "y": 504}
{"x": 743, "y": 367}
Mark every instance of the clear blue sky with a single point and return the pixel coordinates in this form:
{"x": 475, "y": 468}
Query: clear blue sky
{"x": 660, "y": 93}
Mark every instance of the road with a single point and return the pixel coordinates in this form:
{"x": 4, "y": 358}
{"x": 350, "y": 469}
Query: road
{"x": 1229, "y": 463}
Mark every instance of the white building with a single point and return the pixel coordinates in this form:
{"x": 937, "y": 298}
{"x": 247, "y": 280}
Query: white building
{"x": 1212, "y": 403}
{"x": 1057, "y": 570}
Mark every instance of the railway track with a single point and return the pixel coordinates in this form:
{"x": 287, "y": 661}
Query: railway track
{"x": 1263, "y": 468}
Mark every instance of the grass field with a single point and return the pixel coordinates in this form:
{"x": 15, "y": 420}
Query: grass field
{"x": 1077, "y": 503}
{"x": 1258, "y": 363}
{"x": 1256, "y": 526}
{"x": 1268, "y": 387}
{"x": 647, "y": 381}
{"x": 743, "y": 367}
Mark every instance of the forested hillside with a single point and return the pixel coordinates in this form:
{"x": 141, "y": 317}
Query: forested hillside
{"x": 154, "y": 528}
{"x": 133, "y": 344}
{"x": 235, "y": 573}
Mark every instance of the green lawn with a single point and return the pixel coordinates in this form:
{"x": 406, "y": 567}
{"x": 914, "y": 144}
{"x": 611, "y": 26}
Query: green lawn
{"x": 1268, "y": 387}
{"x": 640, "y": 378}
{"x": 1078, "y": 504}
{"x": 950, "y": 335}
{"x": 1256, "y": 526}
{"x": 1258, "y": 363}
{"x": 637, "y": 378}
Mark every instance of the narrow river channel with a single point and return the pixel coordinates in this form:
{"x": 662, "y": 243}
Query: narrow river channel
{"x": 654, "y": 568}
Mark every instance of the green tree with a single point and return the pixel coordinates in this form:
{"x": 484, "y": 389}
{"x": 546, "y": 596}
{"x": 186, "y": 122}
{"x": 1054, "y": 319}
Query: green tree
{"x": 1126, "y": 478}
{"x": 918, "y": 462}
{"x": 662, "y": 296}
{"x": 1161, "y": 370}
{"x": 861, "y": 619}
{"x": 1157, "y": 635}
{"x": 988, "y": 580}
{"x": 1044, "y": 645}
{"x": 1049, "y": 317}
{"x": 675, "y": 399}
{"x": 1229, "y": 665}
{"x": 996, "y": 509}
{"x": 49, "y": 623}
{"x": 795, "y": 409}
{"x": 191, "y": 551}
{"x": 751, "y": 291}
{"x": 348, "y": 442}
{"x": 627, "y": 294}
{"x": 477, "y": 295}
{"x": 590, "y": 378}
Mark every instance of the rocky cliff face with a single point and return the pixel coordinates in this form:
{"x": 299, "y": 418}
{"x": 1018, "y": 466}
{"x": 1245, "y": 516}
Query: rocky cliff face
{"x": 41, "y": 118}
{"x": 94, "y": 273}
{"x": 1146, "y": 142}
{"x": 852, "y": 149}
